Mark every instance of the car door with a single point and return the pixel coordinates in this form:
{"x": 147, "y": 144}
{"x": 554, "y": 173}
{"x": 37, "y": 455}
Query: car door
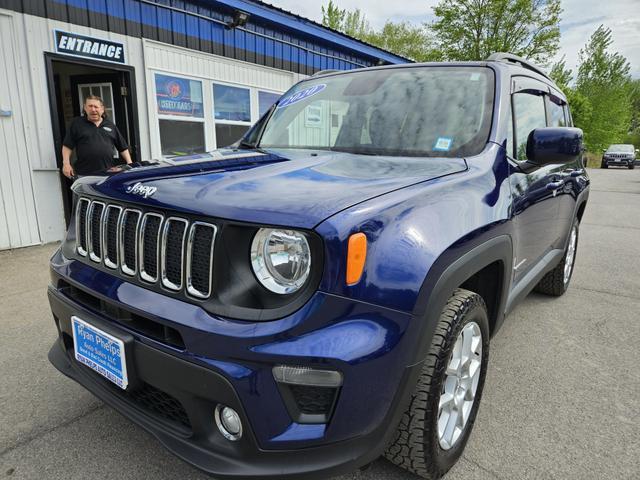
{"x": 535, "y": 208}
{"x": 570, "y": 173}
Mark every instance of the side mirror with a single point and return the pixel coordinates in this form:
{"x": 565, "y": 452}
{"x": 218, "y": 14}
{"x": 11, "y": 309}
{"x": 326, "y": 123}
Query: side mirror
{"x": 554, "y": 145}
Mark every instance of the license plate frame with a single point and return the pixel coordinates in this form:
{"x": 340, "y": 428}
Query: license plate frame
{"x": 101, "y": 351}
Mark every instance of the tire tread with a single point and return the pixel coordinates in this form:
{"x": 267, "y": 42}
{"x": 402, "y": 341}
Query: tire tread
{"x": 407, "y": 448}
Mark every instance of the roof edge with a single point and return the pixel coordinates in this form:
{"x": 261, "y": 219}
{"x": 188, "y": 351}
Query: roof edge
{"x": 275, "y": 14}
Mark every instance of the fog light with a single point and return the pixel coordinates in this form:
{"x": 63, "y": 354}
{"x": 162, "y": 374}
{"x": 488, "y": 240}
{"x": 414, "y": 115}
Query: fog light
{"x": 228, "y": 422}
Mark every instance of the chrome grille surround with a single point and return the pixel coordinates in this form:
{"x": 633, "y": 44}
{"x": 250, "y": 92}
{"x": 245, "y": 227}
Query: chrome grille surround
{"x": 90, "y": 233}
{"x": 124, "y": 267}
{"x": 110, "y": 262}
{"x": 181, "y": 249}
{"x": 81, "y": 227}
{"x": 144, "y": 275}
{"x": 190, "y": 246}
{"x": 163, "y": 254}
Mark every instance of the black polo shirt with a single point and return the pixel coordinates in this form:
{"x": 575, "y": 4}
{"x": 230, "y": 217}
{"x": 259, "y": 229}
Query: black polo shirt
{"x": 94, "y": 145}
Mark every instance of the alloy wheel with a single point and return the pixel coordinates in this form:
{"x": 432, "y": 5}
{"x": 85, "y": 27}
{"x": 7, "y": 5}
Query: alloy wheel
{"x": 460, "y": 385}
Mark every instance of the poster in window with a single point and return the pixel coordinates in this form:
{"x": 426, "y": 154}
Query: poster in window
{"x": 313, "y": 116}
{"x": 179, "y": 96}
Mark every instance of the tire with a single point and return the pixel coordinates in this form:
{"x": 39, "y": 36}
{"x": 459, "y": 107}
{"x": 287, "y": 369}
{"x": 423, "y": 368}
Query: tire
{"x": 632, "y": 166}
{"x": 604, "y": 165}
{"x": 418, "y": 445}
{"x": 556, "y": 282}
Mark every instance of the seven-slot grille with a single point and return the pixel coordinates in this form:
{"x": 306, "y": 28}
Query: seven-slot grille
{"x": 171, "y": 251}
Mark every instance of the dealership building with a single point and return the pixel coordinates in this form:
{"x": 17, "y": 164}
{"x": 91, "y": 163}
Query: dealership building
{"x": 177, "y": 77}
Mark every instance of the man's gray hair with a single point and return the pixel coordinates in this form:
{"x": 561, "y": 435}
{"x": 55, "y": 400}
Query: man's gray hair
{"x": 93, "y": 97}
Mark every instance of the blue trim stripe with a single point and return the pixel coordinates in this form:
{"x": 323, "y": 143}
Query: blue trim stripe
{"x": 170, "y": 22}
{"x": 132, "y": 11}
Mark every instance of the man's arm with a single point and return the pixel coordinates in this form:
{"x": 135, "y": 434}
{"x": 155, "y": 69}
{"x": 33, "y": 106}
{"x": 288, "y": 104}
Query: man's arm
{"x": 126, "y": 155}
{"x": 122, "y": 147}
{"x": 67, "y": 169}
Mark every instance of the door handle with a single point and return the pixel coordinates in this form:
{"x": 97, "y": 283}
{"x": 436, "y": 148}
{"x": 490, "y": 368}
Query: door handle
{"x": 555, "y": 185}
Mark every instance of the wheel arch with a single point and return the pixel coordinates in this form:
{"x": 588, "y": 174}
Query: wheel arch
{"x": 484, "y": 269}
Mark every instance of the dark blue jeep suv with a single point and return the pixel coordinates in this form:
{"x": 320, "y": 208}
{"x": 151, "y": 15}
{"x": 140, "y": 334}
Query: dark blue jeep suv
{"x": 324, "y": 291}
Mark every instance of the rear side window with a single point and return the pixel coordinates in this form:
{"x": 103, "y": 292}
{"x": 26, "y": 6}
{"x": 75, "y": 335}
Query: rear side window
{"x": 528, "y": 110}
{"x": 556, "y": 113}
{"x": 567, "y": 115}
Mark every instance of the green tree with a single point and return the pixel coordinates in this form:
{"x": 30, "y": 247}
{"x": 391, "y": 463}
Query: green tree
{"x": 409, "y": 41}
{"x": 603, "y": 78}
{"x": 332, "y": 16}
{"x": 474, "y": 29}
{"x": 402, "y": 38}
{"x": 633, "y": 136}
{"x": 352, "y": 23}
{"x": 560, "y": 74}
{"x": 579, "y": 104}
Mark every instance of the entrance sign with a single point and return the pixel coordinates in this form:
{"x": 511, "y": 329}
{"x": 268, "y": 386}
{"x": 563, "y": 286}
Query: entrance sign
{"x": 89, "y": 47}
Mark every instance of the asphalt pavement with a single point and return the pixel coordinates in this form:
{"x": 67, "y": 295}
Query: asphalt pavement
{"x": 561, "y": 400}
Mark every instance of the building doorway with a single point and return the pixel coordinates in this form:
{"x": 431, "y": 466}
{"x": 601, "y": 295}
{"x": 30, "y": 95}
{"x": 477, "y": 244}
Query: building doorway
{"x": 70, "y": 82}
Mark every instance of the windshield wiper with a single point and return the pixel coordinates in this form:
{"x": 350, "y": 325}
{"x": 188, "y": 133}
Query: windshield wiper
{"x": 250, "y": 146}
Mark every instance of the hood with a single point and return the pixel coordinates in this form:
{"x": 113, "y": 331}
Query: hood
{"x": 295, "y": 188}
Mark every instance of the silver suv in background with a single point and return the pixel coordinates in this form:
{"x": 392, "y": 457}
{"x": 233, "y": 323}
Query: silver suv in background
{"x": 619, "y": 156}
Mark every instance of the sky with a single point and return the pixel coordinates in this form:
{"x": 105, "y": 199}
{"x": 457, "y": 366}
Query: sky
{"x": 580, "y": 19}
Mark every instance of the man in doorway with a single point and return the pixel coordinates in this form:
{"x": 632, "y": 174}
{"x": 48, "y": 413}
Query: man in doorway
{"x": 94, "y": 138}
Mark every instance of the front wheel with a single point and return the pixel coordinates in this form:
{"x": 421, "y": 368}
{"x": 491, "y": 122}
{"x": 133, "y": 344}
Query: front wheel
{"x": 557, "y": 280}
{"x": 435, "y": 428}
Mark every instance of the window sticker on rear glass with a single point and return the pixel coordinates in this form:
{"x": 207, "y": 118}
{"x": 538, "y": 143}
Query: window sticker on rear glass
{"x": 301, "y": 95}
{"x": 443, "y": 144}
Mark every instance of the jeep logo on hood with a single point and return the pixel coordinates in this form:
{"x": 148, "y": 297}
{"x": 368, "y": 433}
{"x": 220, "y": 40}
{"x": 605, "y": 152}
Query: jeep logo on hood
{"x": 140, "y": 189}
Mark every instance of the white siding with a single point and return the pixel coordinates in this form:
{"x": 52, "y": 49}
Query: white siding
{"x": 31, "y": 209}
{"x": 197, "y": 64}
{"x": 18, "y": 221}
{"x": 30, "y": 37}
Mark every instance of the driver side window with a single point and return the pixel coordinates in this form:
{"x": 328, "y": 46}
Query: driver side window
{"x": 529, "y": 113}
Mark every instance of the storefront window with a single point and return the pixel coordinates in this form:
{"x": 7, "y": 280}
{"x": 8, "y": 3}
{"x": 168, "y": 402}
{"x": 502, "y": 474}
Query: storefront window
{"x": 265, "y": 100}
{"x": 180, "y": 115}
{"x": 181, "y": 137}
{"x": 231, "y": 103}
{"x": 232, "y": 113}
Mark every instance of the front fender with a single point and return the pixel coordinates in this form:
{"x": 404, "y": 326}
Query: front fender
{"x": 410, "y": 229}
{"x": 445, "y": 276}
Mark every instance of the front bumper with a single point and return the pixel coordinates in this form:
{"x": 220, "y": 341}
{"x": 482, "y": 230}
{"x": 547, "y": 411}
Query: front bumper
{"x": 177, "y": 388}
{"x": 620, "y": 162}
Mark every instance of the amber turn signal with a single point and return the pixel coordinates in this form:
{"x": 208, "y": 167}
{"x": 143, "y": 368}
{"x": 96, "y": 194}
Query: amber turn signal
{"x": 356, "y": 256}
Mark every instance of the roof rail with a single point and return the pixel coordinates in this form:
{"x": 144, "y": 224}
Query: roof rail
{"x": 325, "y": 72}
{"x": 511, "y": 58}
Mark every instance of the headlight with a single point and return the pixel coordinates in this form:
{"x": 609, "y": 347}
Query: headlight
{"x": 281, "y": 259}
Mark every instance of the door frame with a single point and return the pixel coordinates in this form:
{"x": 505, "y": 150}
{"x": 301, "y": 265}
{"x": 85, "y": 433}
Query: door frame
{"x": 131, "y": 100}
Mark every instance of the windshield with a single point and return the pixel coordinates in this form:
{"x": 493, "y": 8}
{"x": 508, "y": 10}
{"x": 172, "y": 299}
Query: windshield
{"x": 415, "y": 111}
{"x": 621, "y": 148}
